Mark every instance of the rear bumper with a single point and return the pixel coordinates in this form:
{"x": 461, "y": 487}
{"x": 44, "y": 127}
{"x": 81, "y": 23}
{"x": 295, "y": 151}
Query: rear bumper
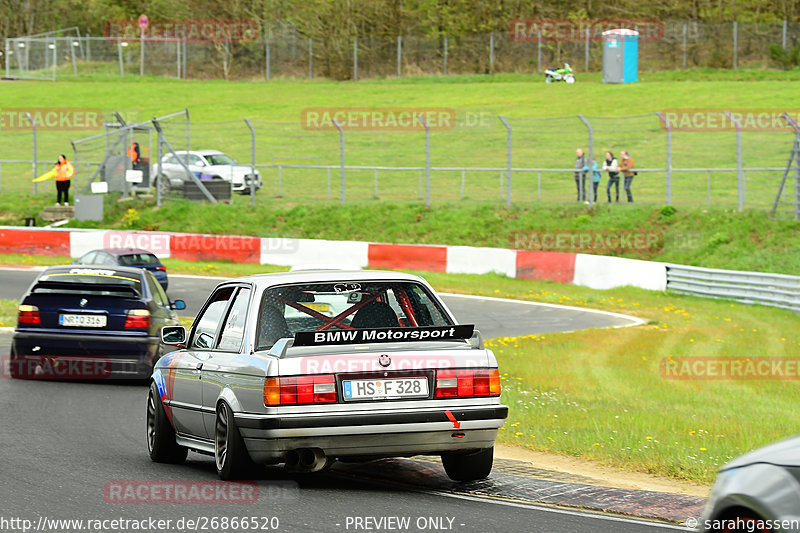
{"x": 389, "y": 434}
{"x": 98, "y": 356}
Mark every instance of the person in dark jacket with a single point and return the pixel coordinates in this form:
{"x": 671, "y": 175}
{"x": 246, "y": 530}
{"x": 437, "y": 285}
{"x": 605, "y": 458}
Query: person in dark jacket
{"x": 611, "y": 166}
{"x": 580, "y": 174}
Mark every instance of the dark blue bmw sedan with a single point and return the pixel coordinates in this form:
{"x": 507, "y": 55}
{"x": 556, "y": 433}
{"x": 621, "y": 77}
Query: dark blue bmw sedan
{"x": 132, "y": 257}
{"x": 90, "y": 322}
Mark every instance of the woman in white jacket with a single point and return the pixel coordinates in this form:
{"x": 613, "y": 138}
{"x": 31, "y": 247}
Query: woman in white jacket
{"x": 612, "y": 167}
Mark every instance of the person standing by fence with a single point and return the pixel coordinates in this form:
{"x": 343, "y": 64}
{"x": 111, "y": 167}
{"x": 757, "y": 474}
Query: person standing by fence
{"x": 580, "y": 175}
{"x": 626, "y": 166}
{"x": 596, "y": 175}
{"x": 64, "y": 173}
{"x": 612, "y": 167}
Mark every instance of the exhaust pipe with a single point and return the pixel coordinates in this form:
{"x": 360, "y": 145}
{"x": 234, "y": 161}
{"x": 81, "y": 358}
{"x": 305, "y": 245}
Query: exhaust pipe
{"x": 306, "y": 460}
{"x": 292, "y": 459}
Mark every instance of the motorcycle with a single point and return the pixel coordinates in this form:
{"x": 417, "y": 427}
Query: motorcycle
{"x": 559, "y": 74}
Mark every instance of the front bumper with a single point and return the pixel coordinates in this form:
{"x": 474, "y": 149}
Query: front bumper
{"x": 385, "y": 434}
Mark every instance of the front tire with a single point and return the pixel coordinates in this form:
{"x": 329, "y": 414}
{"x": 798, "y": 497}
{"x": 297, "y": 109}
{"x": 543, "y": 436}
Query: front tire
{"x": 469, "y": 466}
{"x": 230, "y": 453}
{"x": 161, "y": 442}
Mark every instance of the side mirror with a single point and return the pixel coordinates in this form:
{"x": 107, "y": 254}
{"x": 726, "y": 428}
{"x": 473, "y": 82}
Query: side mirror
{"x": 173, "y": 335}
{"x": 178, "y": 305}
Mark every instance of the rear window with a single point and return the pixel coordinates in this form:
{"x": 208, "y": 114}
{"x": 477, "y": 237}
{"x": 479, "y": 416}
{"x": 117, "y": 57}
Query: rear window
{"x": 138, "y": 260}
{"x": 103, "y": 282}
{"x": 287, "y": 309}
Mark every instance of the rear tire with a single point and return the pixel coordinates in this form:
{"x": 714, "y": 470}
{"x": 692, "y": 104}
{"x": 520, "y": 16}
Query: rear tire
{"x": 230, "y": 453}
{"x": 160, "y": 435}
{"x": 469, "y": 466}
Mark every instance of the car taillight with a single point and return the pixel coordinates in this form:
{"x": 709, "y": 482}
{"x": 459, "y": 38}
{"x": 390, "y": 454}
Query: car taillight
{"x": 138, "y": 318}
{"x": 300, "y": 389}
{"x": 467, "y": 383}
{"x": 28, "y": 314}
{"x": 162, "y": 268}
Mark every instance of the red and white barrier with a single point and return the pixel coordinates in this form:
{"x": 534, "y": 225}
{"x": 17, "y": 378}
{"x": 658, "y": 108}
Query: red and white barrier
{"x": 596, "y": 271}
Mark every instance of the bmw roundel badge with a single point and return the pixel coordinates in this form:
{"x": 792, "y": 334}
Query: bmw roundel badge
{"x": 384, "y": 360}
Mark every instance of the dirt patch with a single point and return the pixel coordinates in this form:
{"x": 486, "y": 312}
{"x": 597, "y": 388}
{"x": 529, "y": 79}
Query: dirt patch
{"x": 601, "y": 475}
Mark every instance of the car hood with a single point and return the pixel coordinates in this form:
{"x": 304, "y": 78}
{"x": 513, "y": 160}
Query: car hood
{"x": 781, "y": 453}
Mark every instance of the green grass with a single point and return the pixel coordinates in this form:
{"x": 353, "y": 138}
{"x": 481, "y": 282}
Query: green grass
{"x": 218, "y": 108}
{"x": 8, "y": 313}
{"x": 598, "y": 394}
{"x": 715, "y": 238}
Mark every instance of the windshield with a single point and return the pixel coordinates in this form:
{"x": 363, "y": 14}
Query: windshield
{"x": 219, "y": 159}
{"x": 288, "y": 309}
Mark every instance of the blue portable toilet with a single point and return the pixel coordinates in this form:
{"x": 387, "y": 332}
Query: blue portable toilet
{"x": 620, "y": 56}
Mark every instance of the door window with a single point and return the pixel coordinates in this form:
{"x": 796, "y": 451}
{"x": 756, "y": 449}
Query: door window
{"x": 208, "y": 322}
{"x": 233, "y": 331}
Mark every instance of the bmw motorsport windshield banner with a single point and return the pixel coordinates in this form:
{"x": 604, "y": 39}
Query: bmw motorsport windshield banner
{"x": 372, "y": 335}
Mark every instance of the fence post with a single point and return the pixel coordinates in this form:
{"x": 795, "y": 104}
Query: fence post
{"x": 427, "y": 161}
{"x": 184, "y": 55}
{"x": 539, "y": 185}
{"x": 740, "y": 185}
{"x": 252, "y": 162}
{"x": 587, "y": 51}
{"x": 141, "y": 52}
{"x": 463, "y": 181}
{"x": 311, "y": 59}
{"x": 178, "y": 59}
{"x": 508, "y": 156}
{"x": 121, "y": 67}
{"x": 735, "y": 45}
{"x": 685, "y": 31}
{"x": 668, "y": 185}
{"x": 341, "y": 156}
{"x": 539, "y": 52}
{"x": 399, "y": 55}
{"x": 266, "y": 56}
{"x": 783, "y": 39}
{"x": 445, "y": 55}
{"x": 158, "y": 160}
{"x": 73, "y": 44}
{"x": 187, "y": 126}
{"x": 491, "y": 53}
{"x": 375, "y": 193}
{"x": 35, "y": 163}
{"x": 355, "y": 58}
{"x": 582, "y": 186}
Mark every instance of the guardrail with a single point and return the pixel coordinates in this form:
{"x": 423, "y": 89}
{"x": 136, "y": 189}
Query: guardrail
{"x": 776, "y": 290}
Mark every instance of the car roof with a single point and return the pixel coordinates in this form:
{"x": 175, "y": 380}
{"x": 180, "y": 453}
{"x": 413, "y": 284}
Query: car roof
{"x": 123, "y": 251}
{"x": 324, "y": 276}
{"x": 67, "y": 268}
{"x": 200, "y": 152}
